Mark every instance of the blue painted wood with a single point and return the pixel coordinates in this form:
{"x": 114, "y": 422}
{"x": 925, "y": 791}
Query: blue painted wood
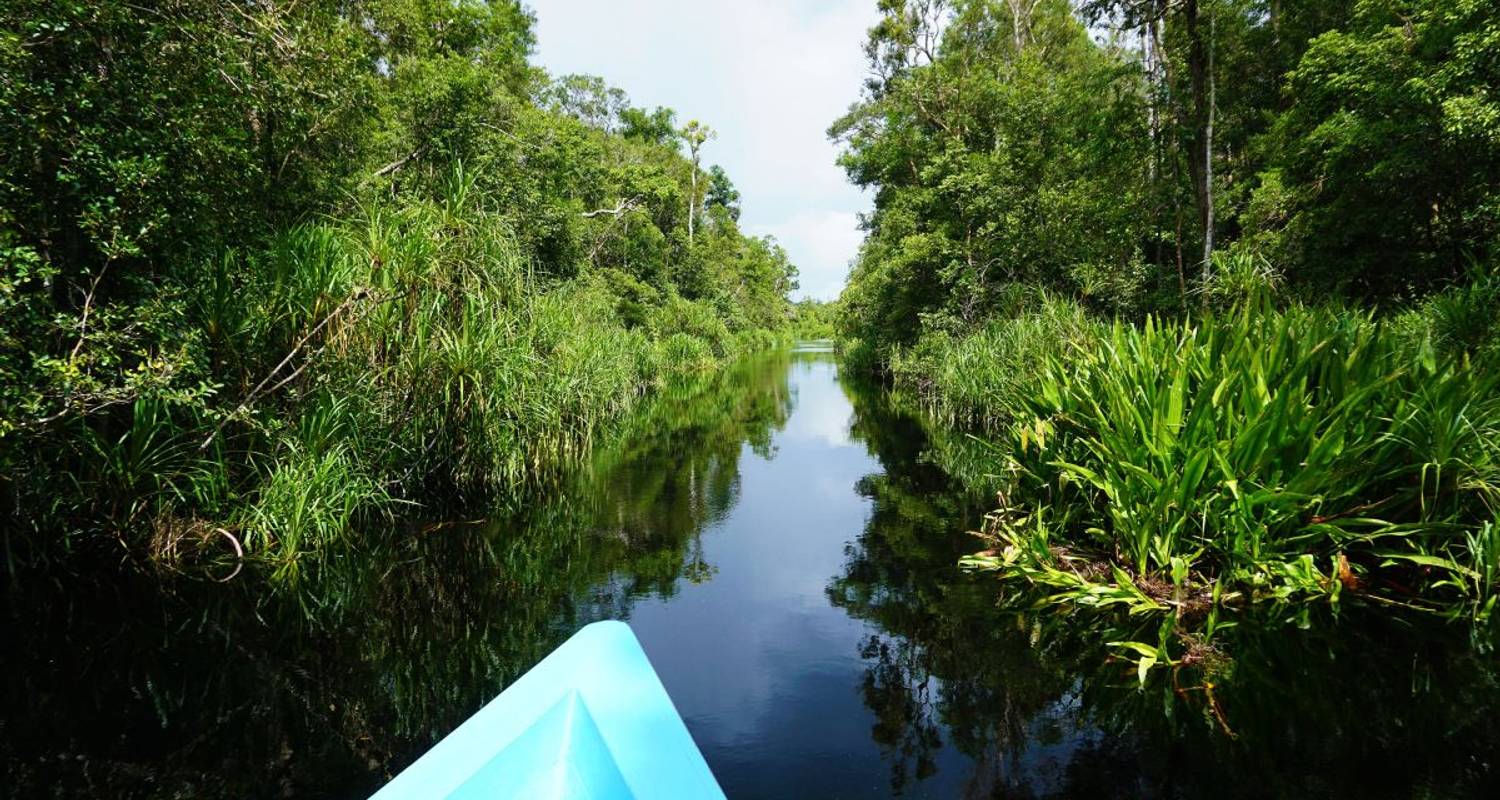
{"x": 590, "y": 722}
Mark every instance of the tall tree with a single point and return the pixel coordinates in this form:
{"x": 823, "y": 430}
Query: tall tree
{"x": 1156, "y": 18}
{"x": 722, "y": 193}
{"x": 695, "y": 133}
{"x": 1005, "y": 149}
{"x": 1383, "y": 170}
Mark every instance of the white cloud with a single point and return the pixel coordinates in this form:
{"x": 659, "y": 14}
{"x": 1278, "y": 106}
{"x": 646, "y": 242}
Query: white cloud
{"x": 770, "y": 76}
{"x": 822, "y": 243}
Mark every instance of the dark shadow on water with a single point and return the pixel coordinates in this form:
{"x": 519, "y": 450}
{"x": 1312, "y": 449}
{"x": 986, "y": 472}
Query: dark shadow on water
{"x": 1362, "y": 708}
{"x": 784, "y": 539}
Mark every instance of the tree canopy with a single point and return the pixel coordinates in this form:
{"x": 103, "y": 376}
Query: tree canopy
{"x": 140, "y": 142}
{"x": 1118, "y": 151}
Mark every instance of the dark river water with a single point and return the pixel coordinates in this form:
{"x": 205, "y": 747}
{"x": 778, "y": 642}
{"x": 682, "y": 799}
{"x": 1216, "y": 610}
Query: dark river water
{"x": 783, "y": 541}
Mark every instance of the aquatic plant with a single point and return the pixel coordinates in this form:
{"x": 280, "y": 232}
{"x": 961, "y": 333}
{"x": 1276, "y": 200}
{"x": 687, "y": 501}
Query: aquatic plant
{"x": 306, "y": 507}
{"x": 427, "y": 365}
{"x": 404, "y": 354}
{"x": 1293, "y": 457}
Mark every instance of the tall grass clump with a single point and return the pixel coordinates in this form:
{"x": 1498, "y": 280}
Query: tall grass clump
{"x": 754, "y": 340}
{"x": 1302, "y": 457}
{"x": 696, "y": 319}
{"x": 684, "y": 352}
{"x": 308, "y": 507}
{"x": 150, "y": 466}
{"x": 1460, "y": 320}
{"x": 858, "y": 355}
{"x": 977, "y": 379}
{"x": 406, "y": 354}
{"x": 465, "y": 377}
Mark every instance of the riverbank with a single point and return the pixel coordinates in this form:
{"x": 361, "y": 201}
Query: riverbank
{"x": 782, "y": 536}
{"x": 250, "y": 309}
{"x": 1181, "y": 471}
{"x": 384, "y": 644}
{"x": 349, "y": 372}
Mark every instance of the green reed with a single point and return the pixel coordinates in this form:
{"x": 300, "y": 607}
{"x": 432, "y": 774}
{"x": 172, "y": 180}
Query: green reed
{"x": 403, "y": 354}
{"x": 977, "y": 379}
{"x": 457, "y": 375}
{"x": 1182, "y": 469}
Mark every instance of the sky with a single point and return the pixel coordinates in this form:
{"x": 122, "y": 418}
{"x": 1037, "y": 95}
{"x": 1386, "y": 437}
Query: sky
{"x": 769, "y": 75}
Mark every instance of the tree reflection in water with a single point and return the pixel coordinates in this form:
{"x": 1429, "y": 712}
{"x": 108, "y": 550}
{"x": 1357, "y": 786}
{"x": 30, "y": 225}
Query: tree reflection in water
{"x": 1357, "y": 707}
{"x": 144, "y": 686}
{"x": 147, "y": 687}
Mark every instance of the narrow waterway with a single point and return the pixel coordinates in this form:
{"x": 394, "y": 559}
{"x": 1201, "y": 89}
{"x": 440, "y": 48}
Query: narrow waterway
{"x": 783, "y": 541}
{"x": 771, "y": 654}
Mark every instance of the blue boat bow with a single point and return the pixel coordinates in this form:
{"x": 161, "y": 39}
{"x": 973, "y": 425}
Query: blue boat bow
{"x": 592, "y": 720}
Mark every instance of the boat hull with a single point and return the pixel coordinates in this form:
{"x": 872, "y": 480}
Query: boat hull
{"x": 592, "y": 720}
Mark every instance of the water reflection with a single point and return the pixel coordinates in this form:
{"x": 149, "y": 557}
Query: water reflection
{"x": 1363, "y": 707}
{"x": 783, "y": 540}
{"x": 143, "y": 688}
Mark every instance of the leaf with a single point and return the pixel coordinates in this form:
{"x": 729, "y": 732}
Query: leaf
{"x": 1140, "y": 647}
{"x": 1083, "y": 472}
{"x": 1431, "y": 561}
{"x": 1174, "y": 402}
{"x": 1144, "y": 666}
{"x": 1192, "y": 475}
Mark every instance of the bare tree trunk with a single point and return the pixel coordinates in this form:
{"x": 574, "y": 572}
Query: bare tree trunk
{"x": 1200, "y": 140}
{"x": 1021, "y": 12}
{"x": 695, "y": 134}
{"x": 1208, "y": 161}
{"x": 1151, "y": 52}
{"x": 693, "y": 197}
{"x": 1017, "y": 34}
{"x": 1160, "y": 80}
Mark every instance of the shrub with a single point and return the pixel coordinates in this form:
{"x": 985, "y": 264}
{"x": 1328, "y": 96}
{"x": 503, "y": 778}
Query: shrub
{"x": 1461, "y": 319}
{"x": 307, "y": 506}
{"x": 978, "y": 379}
{"x": 684, "y": 352}
{"x": 678, "y": 315}
{"x": 1290, "y": 456}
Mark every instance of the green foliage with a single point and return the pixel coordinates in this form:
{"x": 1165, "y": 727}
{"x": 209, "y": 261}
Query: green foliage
{"x": 1130, "y": 256}
{"x": 151, "y": 465}
{"x": 1013, "y": 152}
{"x": 812, "y": 319}
{"x": 979, "y": 379}
{"x": 1291, "y": 457}
{"x": 419, "y": 627}
{"x": 306, "y": 508}
{"x": 695, "y": 319}
{"x": 1240, "y": 278}
{"x": 1149, "y": 168}
{"x": 1459, "y": 320}
{"x": 721, "y": 192}
{"x": 271, "y": 270}
{"x": 1387, "y": 158}
{"x": 686, "y": 353}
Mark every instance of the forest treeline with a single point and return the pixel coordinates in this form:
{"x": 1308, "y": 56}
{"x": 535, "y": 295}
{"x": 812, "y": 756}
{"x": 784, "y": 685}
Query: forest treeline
{"x": 1119, "y": 152}
{"x": 1217, "y": 278}
{"x": 274, "y": 271}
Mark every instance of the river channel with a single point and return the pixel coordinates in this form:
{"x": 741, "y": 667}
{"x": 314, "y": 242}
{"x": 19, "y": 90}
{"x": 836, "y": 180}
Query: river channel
{"x": 783, "y": 540}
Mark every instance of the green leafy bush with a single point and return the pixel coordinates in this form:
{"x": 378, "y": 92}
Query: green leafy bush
{"x": 1292, "y": 456}
{"x": 693, "y": 318}
{"x": 979, "y": 378}
{"x": 684, "y": 352}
